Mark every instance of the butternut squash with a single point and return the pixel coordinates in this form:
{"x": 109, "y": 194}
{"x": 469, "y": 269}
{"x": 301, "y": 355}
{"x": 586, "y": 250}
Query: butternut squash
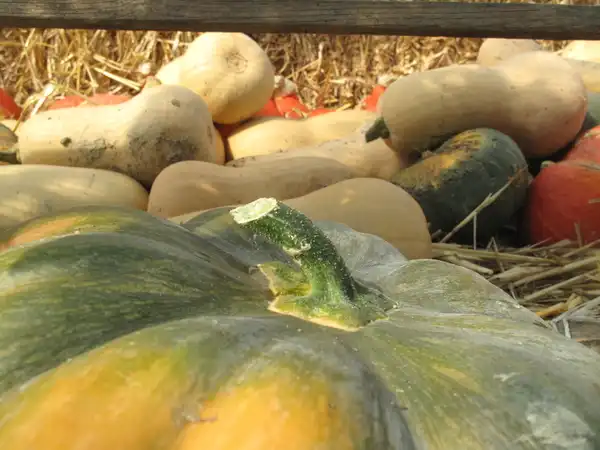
{"x": 582, "y": 51}
{"x": 581, "y": 55}
{"x": 190, "y": 186}
{"x": 139, "y": 138}
{"x": 229, "y": 71}
{"x": 266, "y": 135}
{"x": 495, "y": 50}
{"x": 536, "y": 98}
{"x": 367, "y": 205}
{"x": 31, "y": 190}
{"x": 374, "y": 159}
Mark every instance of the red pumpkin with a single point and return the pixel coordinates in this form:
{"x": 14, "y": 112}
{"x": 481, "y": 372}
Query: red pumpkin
{"x": 8, "y": 108}
{"x": 72, "y": 101}
{"x": 370, "y": 102}
{"x": 586, "y": 148}
{"x": 269, "y": 110}
{"x": 320, "y": 111}
{"x": 563, "y": 197}
{"x": 291, "y": 107}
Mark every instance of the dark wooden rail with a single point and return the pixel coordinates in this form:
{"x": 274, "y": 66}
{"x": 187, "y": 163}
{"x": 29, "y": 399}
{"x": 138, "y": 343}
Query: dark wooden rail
{"x": 408, "y": 18}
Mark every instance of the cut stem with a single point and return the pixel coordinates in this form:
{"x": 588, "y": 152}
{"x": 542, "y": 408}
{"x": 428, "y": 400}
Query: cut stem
{"x": 378, "y": 130}
{"x": 325, "y": 291}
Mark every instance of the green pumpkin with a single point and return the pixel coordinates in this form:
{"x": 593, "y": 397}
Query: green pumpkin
{"x": 253, "y": 328}
{"x": 458, "y": 177}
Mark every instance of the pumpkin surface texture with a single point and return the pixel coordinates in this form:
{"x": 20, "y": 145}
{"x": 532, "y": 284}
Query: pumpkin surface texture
{"x": 260, "y": 329}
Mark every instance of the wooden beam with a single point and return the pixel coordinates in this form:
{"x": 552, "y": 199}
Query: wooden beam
{"x": 392, "y": 17}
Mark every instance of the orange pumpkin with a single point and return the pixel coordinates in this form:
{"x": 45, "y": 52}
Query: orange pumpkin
{"x": 564, "y": 203}
{"x": 8, "y": 107}
{"x": 72, "y": 101}
{"x": 370, "y": 102}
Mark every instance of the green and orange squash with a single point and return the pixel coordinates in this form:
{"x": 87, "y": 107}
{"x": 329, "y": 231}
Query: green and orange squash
{"x": 453, "y": 181}
{"x": 255, "y": 328}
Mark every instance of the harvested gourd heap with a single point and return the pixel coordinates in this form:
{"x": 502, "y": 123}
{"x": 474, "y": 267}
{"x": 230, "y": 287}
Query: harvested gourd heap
{"x": 196, "y": 237}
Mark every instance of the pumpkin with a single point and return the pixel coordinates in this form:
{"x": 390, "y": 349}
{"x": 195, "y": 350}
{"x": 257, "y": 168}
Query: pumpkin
{"x": 267, "y": 135}
{"x": 367, "y": 205}
{"x": 139, "y": 138}
{"x": 564, "y": 203}
{"x": 229, "y": 71}
{"x": 457, "y": 178}
{"x": 264, "y": 330}
{"x": 194, "y": 185}
{"x": 536, "y": 98}
{"x": 71, "y": 101}
{"x": 8, "y": 107}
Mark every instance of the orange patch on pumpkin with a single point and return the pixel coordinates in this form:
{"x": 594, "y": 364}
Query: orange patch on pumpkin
{"x": 280, "y": 410}
{"x": 109, "y": 400}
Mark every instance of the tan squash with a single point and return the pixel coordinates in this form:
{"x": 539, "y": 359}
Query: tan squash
{"x": 194, "y": 186}
{"x": 31, "y": 190}
{"x": 266, "y": 135}
{"x": 495, "y": 50}
{"x": 139, "y": 138}
{"x": 370, "y": 206}
{"x": 373, "y": 159}
{"x": 536, "y": 98}
{"x": 228, "y": 70}
{"x": 582, "y": 51}
{"x": 581, "y": 55}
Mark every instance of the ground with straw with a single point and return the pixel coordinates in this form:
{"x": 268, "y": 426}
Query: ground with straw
{"x": 331, "y": 71}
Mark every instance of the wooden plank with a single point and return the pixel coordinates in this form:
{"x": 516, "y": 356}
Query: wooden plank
{"x": 407, "y": 18}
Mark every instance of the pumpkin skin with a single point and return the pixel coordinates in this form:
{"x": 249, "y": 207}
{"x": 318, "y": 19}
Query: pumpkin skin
{"x": 451, "y": 182}
{"x": 163, "y": 338}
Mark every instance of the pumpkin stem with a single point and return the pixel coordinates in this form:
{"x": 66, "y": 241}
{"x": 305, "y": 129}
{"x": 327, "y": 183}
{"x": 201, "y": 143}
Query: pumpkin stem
{"x": 10, "y": 155}
{"x": 377, "y": 130}
{"x": 323, "y": 291}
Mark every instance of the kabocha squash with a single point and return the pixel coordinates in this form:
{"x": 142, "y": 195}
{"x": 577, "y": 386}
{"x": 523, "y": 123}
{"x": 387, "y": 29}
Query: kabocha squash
{"x": 194, "y": 186}
{"x": 564, "y": 203}
{"x": 32, "y": 190}
{"x": 264, "y": 330}
{"x": 367, "y": 205}
{"x": 229, "y": 71}
{"x": 139, "y": 138}
{"x": 268, "y": 135}
{"x": 536, "y": 98}
{"x": 456, "y": 179}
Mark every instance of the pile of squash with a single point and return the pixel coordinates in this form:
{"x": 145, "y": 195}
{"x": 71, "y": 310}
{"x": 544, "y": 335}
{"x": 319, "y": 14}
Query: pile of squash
{"x": 212, "y": 265}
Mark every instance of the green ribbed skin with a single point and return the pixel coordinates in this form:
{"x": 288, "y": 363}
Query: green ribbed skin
{"x": 120, "y": 330}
